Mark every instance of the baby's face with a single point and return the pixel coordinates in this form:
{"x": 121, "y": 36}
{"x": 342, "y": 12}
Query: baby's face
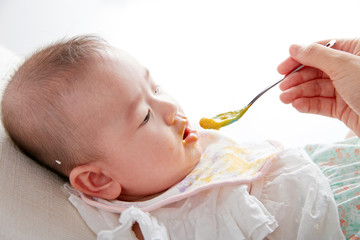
{"x": 147, "y": 140}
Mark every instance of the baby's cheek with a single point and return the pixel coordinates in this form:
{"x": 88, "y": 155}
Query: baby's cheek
{"x": 172, "y": 147}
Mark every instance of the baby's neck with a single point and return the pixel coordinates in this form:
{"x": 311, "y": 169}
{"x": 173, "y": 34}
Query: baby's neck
{"x": 128, "y": 198}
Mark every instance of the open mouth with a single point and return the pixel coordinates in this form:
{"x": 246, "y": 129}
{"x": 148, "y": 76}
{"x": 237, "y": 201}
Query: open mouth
{"x": 186, "y": 133}
{"x": 190, "y": 135}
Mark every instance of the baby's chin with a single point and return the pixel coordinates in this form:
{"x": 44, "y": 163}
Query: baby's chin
{"x": 196, "y": 154}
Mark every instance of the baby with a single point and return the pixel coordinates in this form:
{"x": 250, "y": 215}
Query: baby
{"x": 92, "y": 113}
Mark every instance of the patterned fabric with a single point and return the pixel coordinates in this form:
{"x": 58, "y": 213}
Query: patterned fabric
{"x": 340, "y": 163}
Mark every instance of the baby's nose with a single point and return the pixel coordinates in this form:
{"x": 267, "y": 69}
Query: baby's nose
{"x": 169, "y": 109}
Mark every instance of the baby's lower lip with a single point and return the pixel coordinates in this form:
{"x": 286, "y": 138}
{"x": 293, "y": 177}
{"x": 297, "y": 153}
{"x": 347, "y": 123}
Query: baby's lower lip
{"x": 192, "y": 136}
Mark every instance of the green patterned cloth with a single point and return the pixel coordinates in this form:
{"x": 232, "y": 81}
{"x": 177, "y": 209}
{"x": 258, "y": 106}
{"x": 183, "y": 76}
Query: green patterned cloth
{"x": 340, "y": 163}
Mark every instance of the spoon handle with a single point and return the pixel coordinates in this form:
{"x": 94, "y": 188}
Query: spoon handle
{"x": 329, "y": 44}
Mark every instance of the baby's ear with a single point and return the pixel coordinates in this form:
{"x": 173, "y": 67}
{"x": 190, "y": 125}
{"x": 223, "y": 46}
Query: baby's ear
{"x": 91, "y": 180}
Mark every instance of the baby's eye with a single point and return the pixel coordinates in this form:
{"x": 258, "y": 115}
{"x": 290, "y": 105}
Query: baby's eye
{"x": 157, "y": 90}
{"x": 147, "y": 118}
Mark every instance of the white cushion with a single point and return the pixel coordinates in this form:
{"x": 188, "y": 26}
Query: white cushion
{"x": 33, "y": 202}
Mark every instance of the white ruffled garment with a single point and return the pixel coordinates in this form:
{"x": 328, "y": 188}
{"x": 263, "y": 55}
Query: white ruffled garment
{"x": 250, "y": 192}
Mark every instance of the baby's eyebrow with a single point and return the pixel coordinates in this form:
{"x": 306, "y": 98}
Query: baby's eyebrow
{"x": 147, "y": 74}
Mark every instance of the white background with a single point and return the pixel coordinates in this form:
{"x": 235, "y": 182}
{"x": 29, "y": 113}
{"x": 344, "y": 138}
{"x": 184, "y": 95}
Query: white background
{"x": 213, "y": 56}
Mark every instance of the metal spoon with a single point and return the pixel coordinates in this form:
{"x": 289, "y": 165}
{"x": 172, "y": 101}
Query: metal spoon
{"x": 227, "y": 118}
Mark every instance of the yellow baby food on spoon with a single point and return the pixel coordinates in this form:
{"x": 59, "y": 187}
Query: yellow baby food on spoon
{"x": 227, "y": 118}
{"x": 222, "y": 119}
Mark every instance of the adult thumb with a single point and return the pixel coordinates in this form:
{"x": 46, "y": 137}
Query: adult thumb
{"x": 319, "y": 56}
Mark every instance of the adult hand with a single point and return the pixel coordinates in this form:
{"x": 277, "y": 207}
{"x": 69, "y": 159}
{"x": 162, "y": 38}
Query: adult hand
{"x": 329, "y": 85}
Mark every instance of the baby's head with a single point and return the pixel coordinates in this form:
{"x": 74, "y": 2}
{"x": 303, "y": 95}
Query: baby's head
{"x": 93, "y": 113}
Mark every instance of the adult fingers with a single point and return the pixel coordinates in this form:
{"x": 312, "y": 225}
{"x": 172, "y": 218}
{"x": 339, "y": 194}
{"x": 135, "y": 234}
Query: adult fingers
{"x": 304, "y": 75}
{"x": 287, "y": 66}
{"x": 290, "y": 63}
{"x": 318, "y": 56}
{"x": 316, "y": 88}
{"x": 321, "y": 106}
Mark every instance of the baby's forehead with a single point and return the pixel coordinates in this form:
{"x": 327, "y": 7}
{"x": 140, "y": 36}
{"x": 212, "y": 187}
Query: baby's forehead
{"x": 119, "y": 61}
{"x": 119, "y": 56}
{"x": 114, "y": 66}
